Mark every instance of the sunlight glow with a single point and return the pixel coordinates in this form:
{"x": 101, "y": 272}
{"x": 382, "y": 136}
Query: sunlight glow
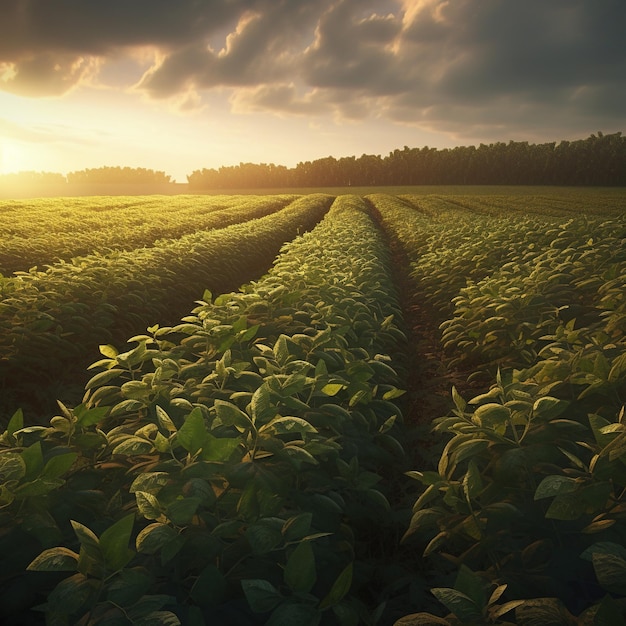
{"x": 14, "y": 157}
{"x": 7, "y": 72}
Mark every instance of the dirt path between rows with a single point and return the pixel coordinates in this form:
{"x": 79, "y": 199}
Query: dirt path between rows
{"x": 429, "y": 381}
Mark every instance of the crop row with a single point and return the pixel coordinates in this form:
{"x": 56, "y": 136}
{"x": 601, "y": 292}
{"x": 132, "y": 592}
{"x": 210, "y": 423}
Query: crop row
{"x": 229, "y": 469}
{"x": 52, "y": 321}
{"x": 503, "y": 318}
{"x": 536, "y": 201}
{"x": 456, "y": 248}
{"x": 526, "y": 498}
{"x": 44, "y": 231}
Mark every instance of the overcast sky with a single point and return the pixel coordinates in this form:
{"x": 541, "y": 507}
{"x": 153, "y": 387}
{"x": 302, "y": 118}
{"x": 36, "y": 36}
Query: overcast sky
{"x": 178, "y": 85}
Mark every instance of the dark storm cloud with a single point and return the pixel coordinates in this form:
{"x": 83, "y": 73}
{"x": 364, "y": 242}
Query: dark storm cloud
{"x": 521, "y": 66}
{"x": 264, "y": 49}
{"x": 466, "y": 67}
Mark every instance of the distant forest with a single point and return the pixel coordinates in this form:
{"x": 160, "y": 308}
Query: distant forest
{"x": 599, "y": 160}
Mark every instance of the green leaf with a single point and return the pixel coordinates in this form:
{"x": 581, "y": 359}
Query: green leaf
{"x": 472, "y": 481}
{"x": 604, "y": 547}
{"x": 210, "y": 587}
{"x": 393, "y": 393}
{"x": 181, "y": 512}
{"x": 192, "y": 433}
{"x": 332, "y": 389}
{"x": 152, "y": 482}
{"x": 548, "y": 408}
{"x": 618, "y": 368}
{"x": 108, "y": 350}
{"x": 15, "y": 423}
{"x": 388, "y": 424}
{"x": 300, "y": 573}
{"x": 261, "y": 595}
{"x": 458, "y": 603}
{"x": 567, "y": 506}
{"x": 469, "y": 448}
{"x": 597, "y": 424}
{"x": 260, "y": 404}
{"x": 340, "y": 588}
{"x": 610, "y": 570}
{"x": 129, "y": 585}
{"x": 38, "y": 487}
{"x": 263, "y": 538}
{"x": 12, "y": 467}
{"x": 288, "y": 425}
{"x": 459, "y": 402}
{"x": 543, "y": 612}
{"x": 249, "y": 333}
{"x": 297, "y": 527}
{"x": 148, "y": 505}
{"x": 114, "y": 543}
{"x": 493, "y": 416}
{"x": 33, "y": 460}
{"x": 281, "y": 350}
{"x": 598, "y": 526}
{"x": 55, "y": 560}
{"x": 219, "y": 448}
{"x": 555, "y": 485}
{"x": 154, "y": 537}
{"x": 498, "y": 611}
{"x": 103, "y": 378}
{"x": 59, "y": 465}
{"x": 72, "y": 594}
{"x": 126, "y": 406}
{"x": 607, "y": 613}
{"x": 89, "y": 542}
{"x": 231, "y": 415}
{"x": 132, "y": 446}
{"x": 165, "y": 422}
{"x": 88, "y": 417}
{"x": 472, "y": 585}
{"x": 492, "y": 394}
{"x": 148, "y": 604}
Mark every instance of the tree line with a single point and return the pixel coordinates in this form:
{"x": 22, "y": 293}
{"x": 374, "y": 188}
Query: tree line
{"x": 94, "y": 176}
{"x": 597, "y": 160}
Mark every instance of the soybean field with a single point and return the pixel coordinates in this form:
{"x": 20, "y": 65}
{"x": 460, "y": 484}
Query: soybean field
{"x": 384, "y": 407}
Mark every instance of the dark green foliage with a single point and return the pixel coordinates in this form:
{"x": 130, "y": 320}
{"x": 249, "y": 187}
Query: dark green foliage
{"x": 235, "y": 460}
{"x": 246, "y": 465}
{"x": 528, "y": 490}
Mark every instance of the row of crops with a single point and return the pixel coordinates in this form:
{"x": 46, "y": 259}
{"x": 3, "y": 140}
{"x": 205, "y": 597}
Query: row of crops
{"x": 258, "y": 460}
{"x": 43, "y": 231}
{"x": 50, "y": 318}
{"x": 524, "y": 506}
{"x": 241, "y": 452}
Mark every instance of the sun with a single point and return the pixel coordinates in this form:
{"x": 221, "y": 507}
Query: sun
{"x": 14, "y": 157}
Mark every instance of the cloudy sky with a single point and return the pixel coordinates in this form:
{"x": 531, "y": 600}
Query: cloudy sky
{"x": 178, "y": 85}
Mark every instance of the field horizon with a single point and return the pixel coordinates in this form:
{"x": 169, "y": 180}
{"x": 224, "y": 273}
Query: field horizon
{"x": 17, "y": 192}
